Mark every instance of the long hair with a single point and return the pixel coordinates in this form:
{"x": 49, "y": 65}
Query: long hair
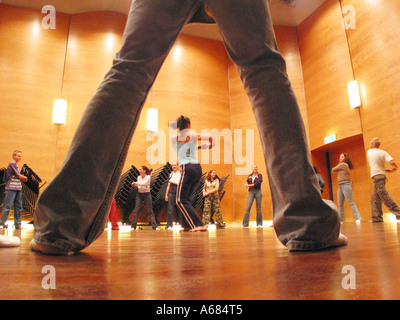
{"x": 209, "y": 176}
{"x": 347, "y": 160}
{"x": 147, "y": 170}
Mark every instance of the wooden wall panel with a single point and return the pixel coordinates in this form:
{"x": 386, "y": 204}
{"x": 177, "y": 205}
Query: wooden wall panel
{"x": 192, "y": 81}
{"x": 242, "y": 117}
{"x": 288, "y": 45}
{"x": 93, "y": 40}
{"x": 327, "y": 69}
{"x": 31, "y": 69}
{"x": 374, "y": 48}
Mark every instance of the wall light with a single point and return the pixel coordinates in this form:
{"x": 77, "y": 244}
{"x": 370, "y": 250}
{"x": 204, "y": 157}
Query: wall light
{"x": 354, "y": 94}
{"x": 60, "y": 111}
{"x": 152, "y": 120}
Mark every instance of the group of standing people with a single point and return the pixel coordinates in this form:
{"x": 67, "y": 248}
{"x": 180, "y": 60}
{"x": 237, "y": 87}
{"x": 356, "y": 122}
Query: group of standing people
{"x": 182, "y": 183}
{"x": 377, "y": 160}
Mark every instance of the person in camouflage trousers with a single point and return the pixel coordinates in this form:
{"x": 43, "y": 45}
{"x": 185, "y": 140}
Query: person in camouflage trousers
{"x": 212, "y": 202}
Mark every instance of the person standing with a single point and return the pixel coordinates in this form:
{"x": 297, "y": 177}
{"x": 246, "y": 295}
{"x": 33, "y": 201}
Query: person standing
{"x": 143, "y": 195}
{"x": 212, "y": 204}
{"x": 345, "y": 190}
{"x": 303, "y": 221}
{"x": 13, "y": 191}
{"x": 253, "y": 182}
{"x": 186, "y": 146}
{"x": 170, "y": 195}
{"x": 377, "y": 159}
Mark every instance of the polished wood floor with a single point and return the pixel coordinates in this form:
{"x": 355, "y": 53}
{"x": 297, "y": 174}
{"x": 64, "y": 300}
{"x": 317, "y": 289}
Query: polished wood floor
{"x": 230, "y": 264}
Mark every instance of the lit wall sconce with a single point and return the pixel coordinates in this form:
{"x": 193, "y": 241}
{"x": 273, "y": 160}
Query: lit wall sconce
{"x": 152, "y": 120}
{"x": 60, "y": 111}
{"x": 354, "y": 94}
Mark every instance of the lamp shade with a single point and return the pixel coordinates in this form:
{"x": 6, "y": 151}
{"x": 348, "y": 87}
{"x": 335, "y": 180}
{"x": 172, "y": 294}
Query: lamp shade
{"x": 354, "y": 94}
{"x": 60, "y": 111}
{"x": 152, "y": 120}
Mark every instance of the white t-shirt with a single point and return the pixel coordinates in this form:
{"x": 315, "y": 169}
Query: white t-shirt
{"x": 143, "y": 184}
{"x": 377, "y": 159}
{"x": 175, "y": 177}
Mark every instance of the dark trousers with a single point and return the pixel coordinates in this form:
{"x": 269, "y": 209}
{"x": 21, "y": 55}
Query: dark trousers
{"x": 146, "y": 198}
{"x": 190, "y": 177}
{"x": 172, "y": 212}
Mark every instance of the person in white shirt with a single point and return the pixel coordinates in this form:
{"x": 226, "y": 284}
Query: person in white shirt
{"x": 377, "y": 159}
{"x": 170, "y": 195}
{"x": 143, "y": 185}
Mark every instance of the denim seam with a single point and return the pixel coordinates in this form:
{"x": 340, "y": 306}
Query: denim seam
{"x": 310, "y": 245}
{"x": 61, "y": 244}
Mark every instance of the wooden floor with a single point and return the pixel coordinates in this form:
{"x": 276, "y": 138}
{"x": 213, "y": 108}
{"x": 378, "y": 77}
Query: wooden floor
{"x": 230, "y": 264}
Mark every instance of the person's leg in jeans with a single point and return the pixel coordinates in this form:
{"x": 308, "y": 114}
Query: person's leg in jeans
{"x": 18, "y": 210}
{"x": 340, "y": 197}
{"x": 348, "y": 194}
{"x": 9, "y": 199}
{"x": 302, "y": 220}
{"x": 73, "y": 210}
{"x": 259, "y": 210}
{"x": 250, "y": 199}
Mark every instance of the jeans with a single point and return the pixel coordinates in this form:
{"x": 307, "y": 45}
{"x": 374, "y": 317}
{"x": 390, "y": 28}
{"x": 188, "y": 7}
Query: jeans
{"x": 345, "y": 191}
{"x": 379, "y": 194}
{"x": 12, "y": 197}
{"x": 146, "y": 198}
{"x": 72, "y": 211}
{"x": 257, "y": 195}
